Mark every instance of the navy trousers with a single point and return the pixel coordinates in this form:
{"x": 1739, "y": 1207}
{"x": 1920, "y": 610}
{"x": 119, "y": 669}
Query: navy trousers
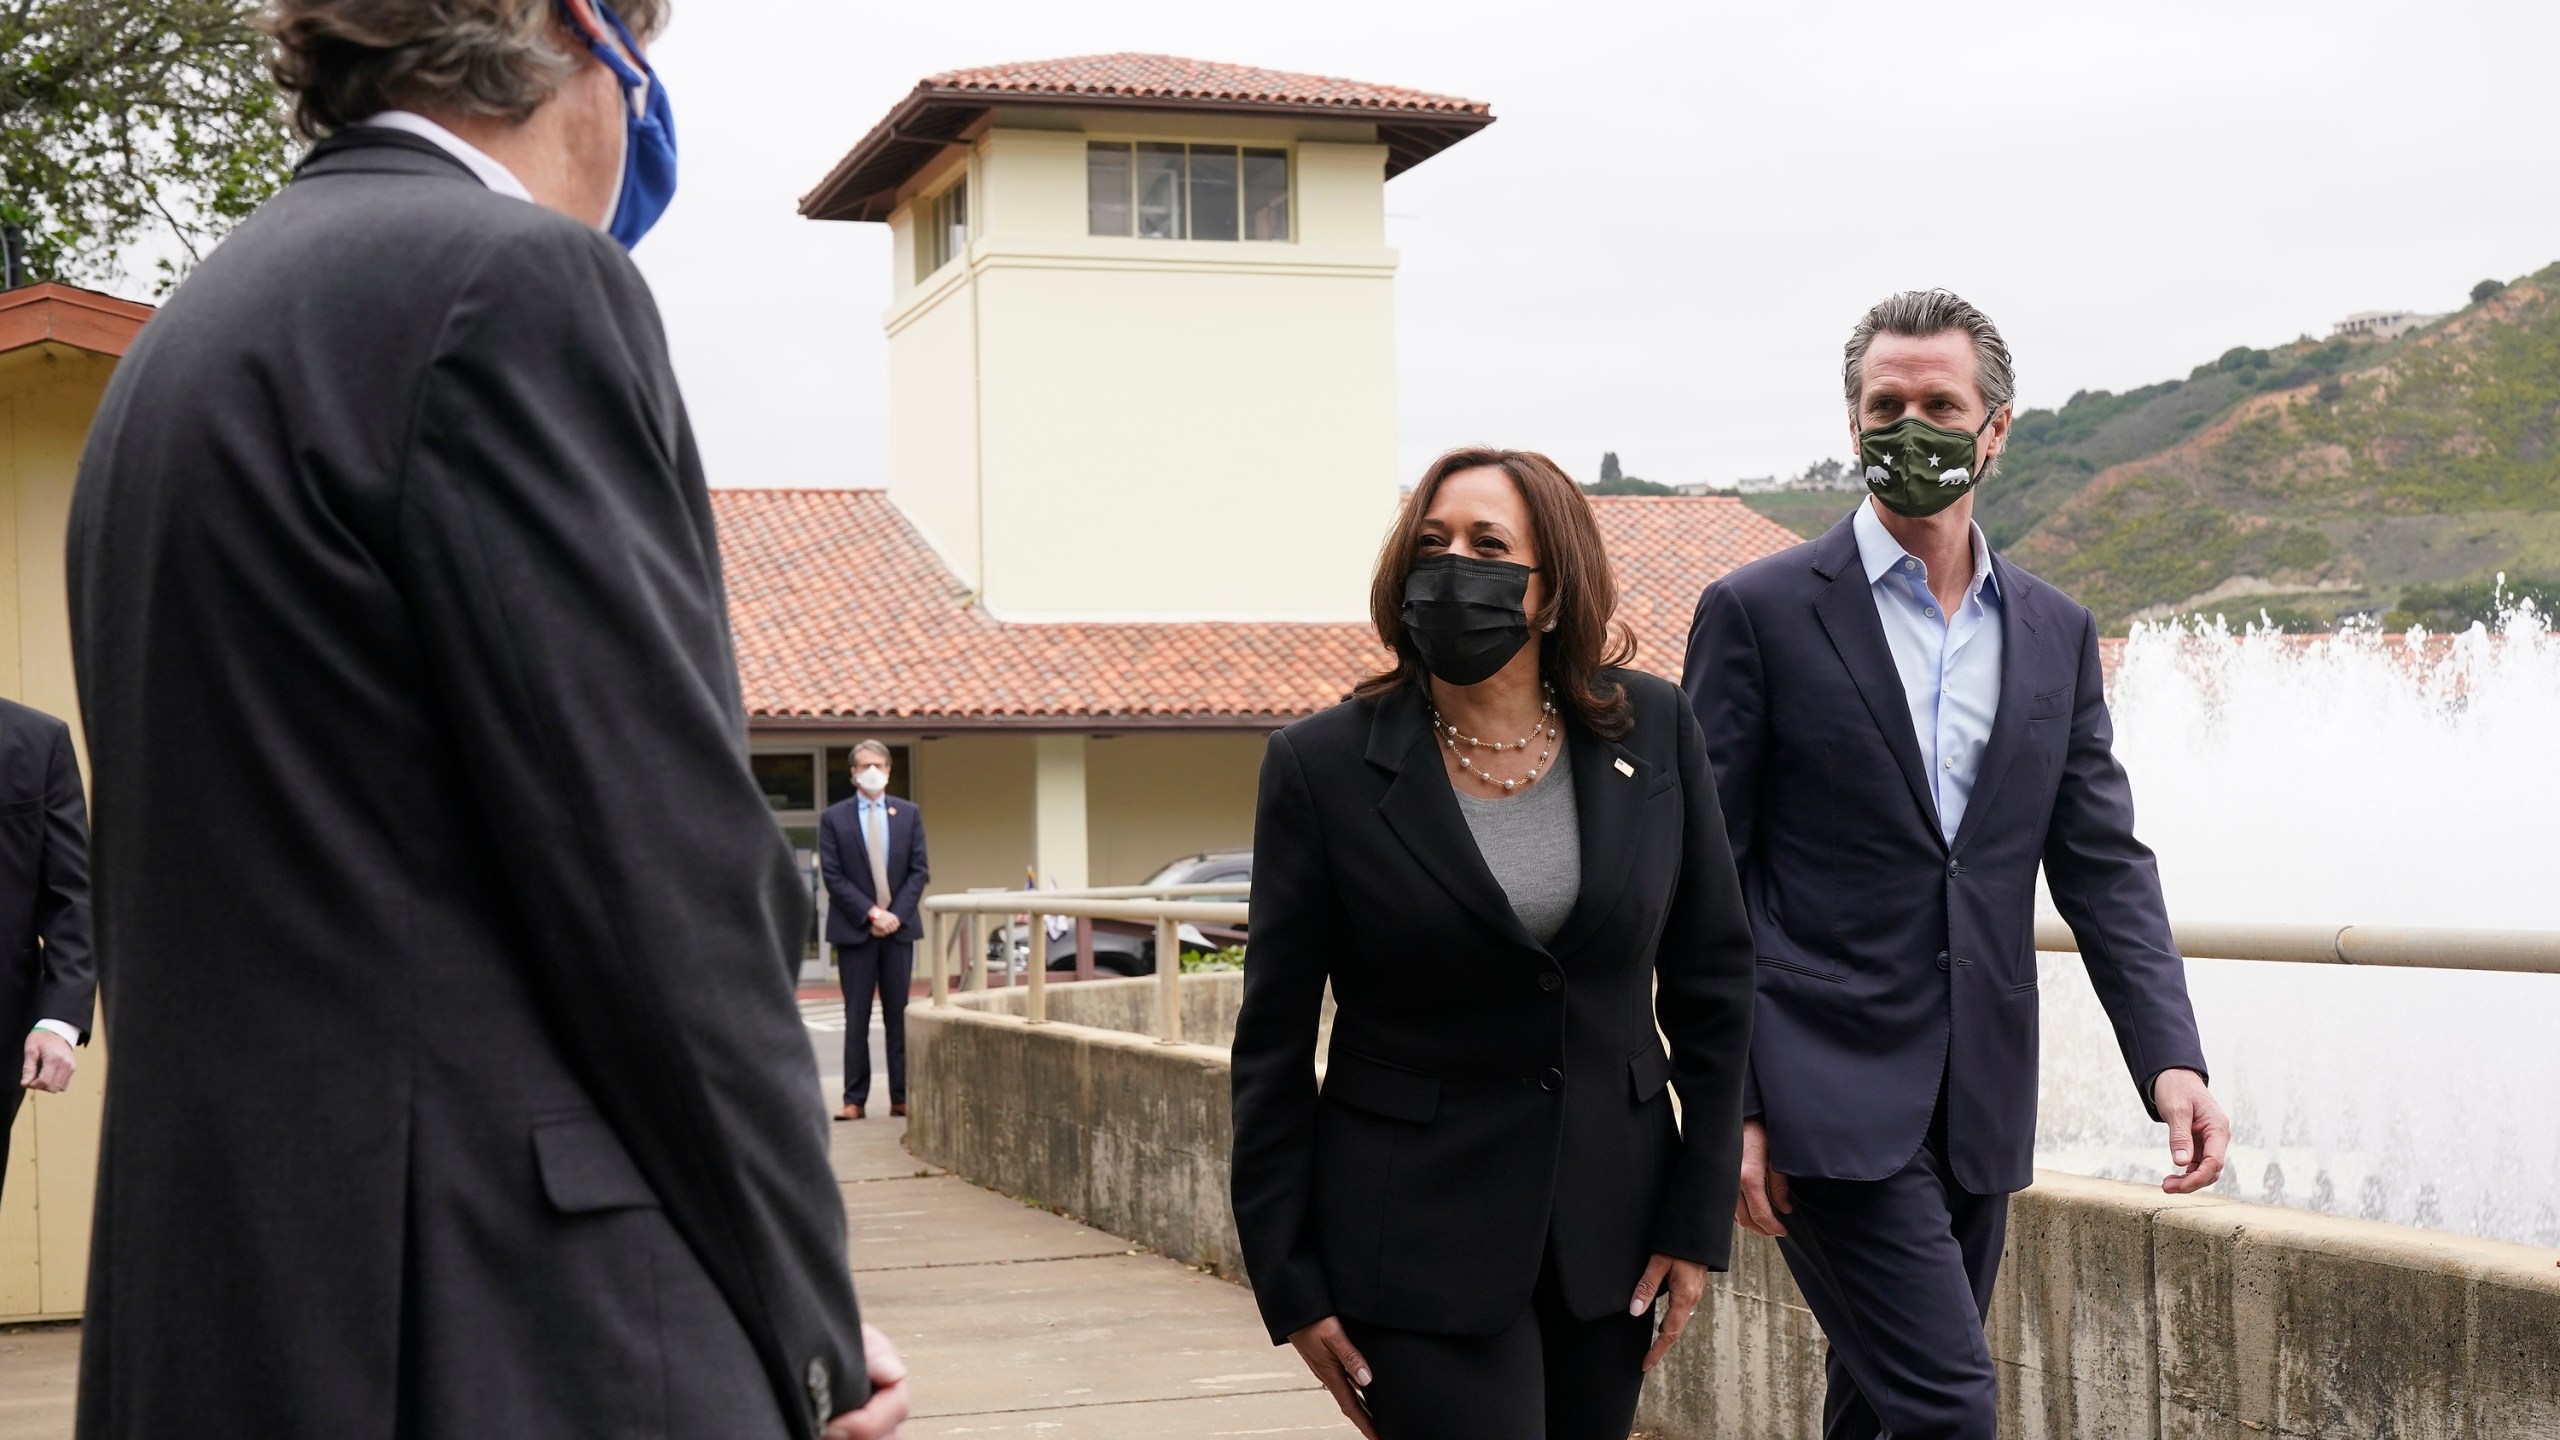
{"x": 1899, "y": 1273}
{"x": 889, "y": 967}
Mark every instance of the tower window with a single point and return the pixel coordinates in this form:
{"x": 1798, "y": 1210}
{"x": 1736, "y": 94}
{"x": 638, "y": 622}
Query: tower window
{"x": 942, "y": 229}
{"x": 1158, "y": 191}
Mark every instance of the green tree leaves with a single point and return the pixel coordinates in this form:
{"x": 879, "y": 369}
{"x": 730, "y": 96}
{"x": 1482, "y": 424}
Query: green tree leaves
{"x": 125, "y": 121}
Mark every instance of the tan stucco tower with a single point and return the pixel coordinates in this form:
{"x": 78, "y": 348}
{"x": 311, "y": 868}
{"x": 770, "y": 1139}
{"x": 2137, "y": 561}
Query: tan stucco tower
{"x": 1138, "y": 302}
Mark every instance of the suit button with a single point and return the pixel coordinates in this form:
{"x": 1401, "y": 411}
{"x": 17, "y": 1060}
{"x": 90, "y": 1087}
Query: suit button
{"x": 1552, "y": 1081}
{"x": 822, "y": 1405}
{"x": 1955, "y": 867}
{"x": 1550, "y": 981}
{"x": 1942, "y": 959}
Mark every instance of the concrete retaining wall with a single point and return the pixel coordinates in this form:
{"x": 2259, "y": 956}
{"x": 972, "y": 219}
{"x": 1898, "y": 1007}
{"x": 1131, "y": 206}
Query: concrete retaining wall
{"x": 2122, "y": 1313}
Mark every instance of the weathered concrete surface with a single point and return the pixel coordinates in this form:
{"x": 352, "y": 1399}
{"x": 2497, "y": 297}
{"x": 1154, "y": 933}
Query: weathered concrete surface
{"x": 1127, "y": 1133}
{"x": 2122, "y": 1313}
{"x": 39, "y": 1370}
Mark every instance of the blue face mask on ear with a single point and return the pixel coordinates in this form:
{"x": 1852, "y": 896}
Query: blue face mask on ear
{"x": 649, "y": 142}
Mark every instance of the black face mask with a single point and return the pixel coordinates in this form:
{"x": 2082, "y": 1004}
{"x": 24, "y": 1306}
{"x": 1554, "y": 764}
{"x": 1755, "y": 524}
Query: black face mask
{"x": 1466, "y": 616}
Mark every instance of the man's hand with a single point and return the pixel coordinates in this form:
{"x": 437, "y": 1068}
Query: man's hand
{"x": 880, "y": 1417}
{"x": 1330, "y": 1354}
{"x": 1688, "y": 1287}
{"x": 50, "y": 1062}
{"x": 1764, "y": 1191}
{"x": 2199, "y": 1133}
{"x": 884, "y": 922}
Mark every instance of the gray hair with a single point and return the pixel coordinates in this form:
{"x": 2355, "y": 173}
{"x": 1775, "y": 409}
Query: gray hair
{"x": 1920, "y": 314}
{"x": 345, "y": 60}
{"x": 876, "y": 747}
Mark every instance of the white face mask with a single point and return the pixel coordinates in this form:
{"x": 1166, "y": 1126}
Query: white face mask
{"x": 872, "y": 779}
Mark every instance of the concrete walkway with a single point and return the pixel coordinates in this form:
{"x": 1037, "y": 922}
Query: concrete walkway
{"x": 1015, "y": 1323}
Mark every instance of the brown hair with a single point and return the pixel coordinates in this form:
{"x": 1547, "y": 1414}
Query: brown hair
{"x": 1582, "y": 591}
{"x": 345, "y": 60}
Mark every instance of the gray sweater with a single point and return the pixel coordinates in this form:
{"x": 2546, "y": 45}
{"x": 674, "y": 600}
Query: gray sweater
{"x": 1532, "y": 841}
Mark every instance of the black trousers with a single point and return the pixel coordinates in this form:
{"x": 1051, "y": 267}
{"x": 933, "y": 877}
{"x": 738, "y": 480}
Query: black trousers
{"x": 10, "y": 1098}
{"x": 1899, "y": 1273}
{"x": 1548, "y": 1377}
{"x": 889, "y": 967}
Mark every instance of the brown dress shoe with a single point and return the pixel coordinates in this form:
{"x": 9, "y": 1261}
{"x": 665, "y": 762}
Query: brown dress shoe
{"x": 850, "y": 1112}
{"x": 899, "y": 1108}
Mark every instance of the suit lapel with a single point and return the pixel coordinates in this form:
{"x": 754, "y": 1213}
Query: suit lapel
{"x": 862, "y": 853}
{"x": 1606, "y": 804}
{"x": 2009, "y": 723}
{"x": 1422, "y": 810}
{"x": 1847, "y": 610}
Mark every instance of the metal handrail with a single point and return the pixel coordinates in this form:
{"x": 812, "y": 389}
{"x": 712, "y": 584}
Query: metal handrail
{"x": 2533, "y": 952}
{"x": 2413, "y": 947}
{"x": 1111, "y": 902}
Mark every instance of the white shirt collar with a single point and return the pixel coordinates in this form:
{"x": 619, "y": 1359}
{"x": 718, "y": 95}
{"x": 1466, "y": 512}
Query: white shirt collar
{"x": 1879, "y": 552}
{"x": 492, "y": 174}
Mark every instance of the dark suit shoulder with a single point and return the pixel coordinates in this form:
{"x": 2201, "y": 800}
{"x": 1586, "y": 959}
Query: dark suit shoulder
{"x": 2041, "y": 597}
{"x": 1342, "y": 728}
{"x": 1773, "y": 577}
{"x": 26, "y": 721}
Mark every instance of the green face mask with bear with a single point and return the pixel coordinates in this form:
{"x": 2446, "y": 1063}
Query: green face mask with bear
{"x": 1917, "y": 468}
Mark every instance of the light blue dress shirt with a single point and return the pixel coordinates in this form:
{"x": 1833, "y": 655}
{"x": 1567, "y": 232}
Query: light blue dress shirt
{"x": 1950, "y": 668}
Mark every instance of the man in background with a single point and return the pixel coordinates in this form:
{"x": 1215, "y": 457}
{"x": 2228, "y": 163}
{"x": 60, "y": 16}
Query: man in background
{"x": 48, "y": 983}
{"x": 460, "y": 1091}
{"x": 1905, "y": 727}
{"x": 871, "y": 855}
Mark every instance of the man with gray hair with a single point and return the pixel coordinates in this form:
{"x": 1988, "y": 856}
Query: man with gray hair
{"x": 1904, "y": 727}
{"x": 449, "y": 943}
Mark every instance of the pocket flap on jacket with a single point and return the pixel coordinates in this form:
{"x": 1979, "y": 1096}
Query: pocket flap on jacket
{"x": 1380, "y": 1089}
{"x": 1650, "y": 1069}
{"x": 585, "y": 1168}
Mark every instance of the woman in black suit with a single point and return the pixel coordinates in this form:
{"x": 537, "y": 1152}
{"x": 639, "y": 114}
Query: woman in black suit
{"x": 1506, "y": 856}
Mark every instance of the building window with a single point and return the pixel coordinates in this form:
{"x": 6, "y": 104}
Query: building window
{"x": 1159, "y": 191}
{"x": 942, "y": 229}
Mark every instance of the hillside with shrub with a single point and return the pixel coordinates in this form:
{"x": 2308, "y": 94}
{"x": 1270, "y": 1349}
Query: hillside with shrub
{"x": 2313, "y": 480}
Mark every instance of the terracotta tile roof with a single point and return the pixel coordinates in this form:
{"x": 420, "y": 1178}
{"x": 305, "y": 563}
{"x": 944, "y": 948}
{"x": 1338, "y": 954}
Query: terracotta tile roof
{"x": 841, "y": 611}
{"x": 1413, "y": 125}
{"x": 1170, "y": 77}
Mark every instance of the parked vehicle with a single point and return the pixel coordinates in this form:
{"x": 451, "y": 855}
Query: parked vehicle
{"x": 1127, "y": 947}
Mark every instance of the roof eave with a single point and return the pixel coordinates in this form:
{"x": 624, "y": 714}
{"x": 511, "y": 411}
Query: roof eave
{"x": 921, "y": 120}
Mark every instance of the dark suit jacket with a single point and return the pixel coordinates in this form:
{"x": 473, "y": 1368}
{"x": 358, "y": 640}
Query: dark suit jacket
{"x": 844, "y": 862}
{"x": 1486, "y": 1096}
{"x": 459, "y": 1087}
{"x": 1888, "y": 957}
{"x": 46, "y": 968}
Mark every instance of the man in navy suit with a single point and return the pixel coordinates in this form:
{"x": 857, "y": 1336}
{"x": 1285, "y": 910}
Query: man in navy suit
{"x": 48, "y": 981}
{"x": 1903, "y": 727}
{"x": 871, "y": 853}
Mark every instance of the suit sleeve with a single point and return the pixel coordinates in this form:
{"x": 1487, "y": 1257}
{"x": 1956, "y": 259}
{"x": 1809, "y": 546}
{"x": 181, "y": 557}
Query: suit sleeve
{"x": 556, "y": 547}
{"x": 1728, "y": 692}
{"x": 1297, "y": 926}
{"x": 2107, "y": 886}
{"x": 1704, "y": 977}
{"x": 68, "y": 989}
{"x": 842, "y": 887}
{"x": 919, "y": 875}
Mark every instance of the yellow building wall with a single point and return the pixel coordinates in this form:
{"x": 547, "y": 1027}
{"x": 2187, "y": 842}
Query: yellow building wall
{"x": 47, "y": 395}
{"x": 975, "y": 791}
{"x": 1153, "y": 798}
{"x": 1130, "y": 398}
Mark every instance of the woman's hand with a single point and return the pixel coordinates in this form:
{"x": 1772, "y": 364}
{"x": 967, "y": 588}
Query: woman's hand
{"x": 1330, "y": 1354}
{"x": 1688, "y": 1287}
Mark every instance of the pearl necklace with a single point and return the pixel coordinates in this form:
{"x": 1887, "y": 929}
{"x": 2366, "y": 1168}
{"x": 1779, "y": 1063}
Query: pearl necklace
{"x": 1544, "y": 731}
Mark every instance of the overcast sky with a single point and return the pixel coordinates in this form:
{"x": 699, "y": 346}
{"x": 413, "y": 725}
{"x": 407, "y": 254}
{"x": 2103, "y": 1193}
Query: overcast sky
{"x": 1659, "y": 246}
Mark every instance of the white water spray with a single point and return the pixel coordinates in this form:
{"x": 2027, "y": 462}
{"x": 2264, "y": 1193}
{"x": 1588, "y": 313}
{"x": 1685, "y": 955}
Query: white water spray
{"x": 2355, "y": 779}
